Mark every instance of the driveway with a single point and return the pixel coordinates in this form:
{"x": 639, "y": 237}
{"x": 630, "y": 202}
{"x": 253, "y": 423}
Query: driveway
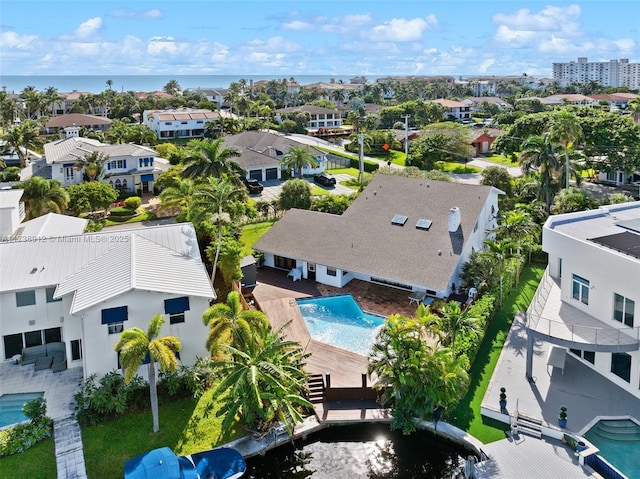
{"x": 273, "y": 188}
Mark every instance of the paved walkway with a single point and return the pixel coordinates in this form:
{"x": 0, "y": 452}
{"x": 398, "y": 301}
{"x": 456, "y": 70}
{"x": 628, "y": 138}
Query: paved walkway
{"x": 69, "y": 454}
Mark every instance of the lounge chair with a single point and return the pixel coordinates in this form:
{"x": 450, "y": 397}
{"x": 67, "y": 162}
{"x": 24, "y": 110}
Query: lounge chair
{"x": 417, "y": 297}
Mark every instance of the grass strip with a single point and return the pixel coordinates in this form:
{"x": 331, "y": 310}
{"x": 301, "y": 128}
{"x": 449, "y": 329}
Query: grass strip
{"x": 467, "y": 415}
{"x": 37, "y": 462}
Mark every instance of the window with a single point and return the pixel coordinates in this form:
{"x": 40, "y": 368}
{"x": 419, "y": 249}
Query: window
{"x": 284, "y": 263}
{"x": 52, "y": 335}
{"x": 33, "y": 338}
{"x": 588, "y": 356}
{"x": 621, "y": 365}
{"x": 175, "y": 308}
{"x": 176, "y": 318}
{"x": 580, "y": 289}
{"x": 12, "y": 345}
{"x": 115, "y": 328}
{"x": 25, "y": 298}
{"x": 331, "y": 272}
{"x": 623, "y": 309}
{"x": 76, "y": 349}
{"x": 50, "y": 298}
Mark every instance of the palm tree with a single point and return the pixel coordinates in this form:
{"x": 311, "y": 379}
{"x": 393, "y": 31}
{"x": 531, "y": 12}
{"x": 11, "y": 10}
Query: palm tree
{"x": 297, "y": 158}
{"x": 134, "y": 346}
{"x": 214, "y": 197}
{"x": 21, "y": 138}
{"x": 232, "y": 324}
{"x": 454, "y": 321}
{"x": 109, "y": 84}
{"x": 208, "y": 158}
{"x": 634, "y": 108}
{"x": 177, "y": 198}
{"x": 172, "y": 87}
{"x": 501, "y": 252}
{"x": 518, "y": 227}
{"x": 565, "y": 129}
{"x": 43, "y": 196}
{"x": 538, "y": 153}
{"x": 92, "y": 164}
{"x": 263, "y": 384}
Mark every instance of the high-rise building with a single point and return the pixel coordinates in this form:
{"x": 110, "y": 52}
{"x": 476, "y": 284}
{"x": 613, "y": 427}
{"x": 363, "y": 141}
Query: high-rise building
{"x": 613, "y": 73}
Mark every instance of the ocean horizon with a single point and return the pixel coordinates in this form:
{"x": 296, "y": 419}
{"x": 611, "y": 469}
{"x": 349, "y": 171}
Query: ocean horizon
{"x": 98, "y": 83}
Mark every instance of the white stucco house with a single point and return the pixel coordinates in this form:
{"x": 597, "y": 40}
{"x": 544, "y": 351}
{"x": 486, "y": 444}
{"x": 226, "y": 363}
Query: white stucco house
{"x": 406, "y": 233}
{"x": 454, "y": 110}
{"x": 181, "y": 123}
{"x": 82, "y": 290}
{"x": 589, "y": 297}
{"x": 319, "y": 117}
{"x": 130, "y": 167}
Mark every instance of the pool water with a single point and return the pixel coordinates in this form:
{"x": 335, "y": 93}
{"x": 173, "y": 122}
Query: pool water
{"x": 339, "y": 321}
{"x": 619, "y": 443}
{"x": 360, "y": 451}
{"x": 11, "y": 407}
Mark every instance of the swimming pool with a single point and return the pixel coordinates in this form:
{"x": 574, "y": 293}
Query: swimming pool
{"x": 339, "y": 321}
{"x": 11, "y": 407}
{"x": 619, "y": 443}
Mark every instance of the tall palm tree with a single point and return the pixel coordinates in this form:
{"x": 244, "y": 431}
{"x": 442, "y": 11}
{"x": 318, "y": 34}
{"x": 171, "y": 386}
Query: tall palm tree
{"x": 501, "y": 251}
{"x": 565, "y": 129}
{"x": 518, "y": 227}
{"x": 172, "y": 87}
{"x": 208, "y": 158}
{"x": 92, "y": 164}
{"x": 22, "y": 138}
{"x": 214, "y": 198}
{"x": 263, "y": 384}
{"x": 297, "y": 158}
{"x": 538, "y": 153}
{"x": 134, "y": 346}
{"x": 231, "y": 324}
{"x": 43, "y": 196}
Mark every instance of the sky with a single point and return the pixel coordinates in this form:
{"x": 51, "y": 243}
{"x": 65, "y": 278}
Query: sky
{"x": 304, "y": 37}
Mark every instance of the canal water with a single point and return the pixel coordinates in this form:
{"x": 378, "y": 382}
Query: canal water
{"x": 370, "y": 451}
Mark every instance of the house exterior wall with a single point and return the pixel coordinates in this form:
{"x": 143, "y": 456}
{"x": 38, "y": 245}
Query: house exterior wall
{"x": 98, "y": 345}
{"x": 98, "y": 355}
{"x": 608, "y": 272}
{"x": 191, "y": 128}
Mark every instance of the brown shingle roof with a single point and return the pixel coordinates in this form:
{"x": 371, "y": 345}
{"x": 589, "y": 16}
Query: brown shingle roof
{"x": 363, "y": 239}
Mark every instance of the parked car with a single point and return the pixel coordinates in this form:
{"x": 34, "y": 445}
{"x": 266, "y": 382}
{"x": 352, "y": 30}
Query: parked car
{"x": 324, "y": 179}
{"x": 254, "y": 186}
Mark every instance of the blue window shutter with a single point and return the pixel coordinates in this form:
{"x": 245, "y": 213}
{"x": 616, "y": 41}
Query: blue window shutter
{"x": 115, "y": 315}
{"x": 124, "y": 163}
{"x": 108, "y": 166}
{"x": 176, "y": 305}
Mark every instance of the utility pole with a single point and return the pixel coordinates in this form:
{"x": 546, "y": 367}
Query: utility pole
{"x": 361, "y": 143}
{"x": 406, "y": 136}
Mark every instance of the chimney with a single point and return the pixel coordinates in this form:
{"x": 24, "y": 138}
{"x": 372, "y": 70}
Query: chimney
{"x": 454, "y": 219}
{"x": 72, "y": 131}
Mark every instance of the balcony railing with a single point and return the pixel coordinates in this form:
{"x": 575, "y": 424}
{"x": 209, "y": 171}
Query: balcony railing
{"x": 21, "y": 211}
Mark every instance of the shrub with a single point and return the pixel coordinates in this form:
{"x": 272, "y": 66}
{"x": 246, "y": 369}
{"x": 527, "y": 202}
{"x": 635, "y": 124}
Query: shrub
{"x": 133, "y": 202}
{"x": 369, "y": 166}
{"x": 122, "y": 211}
{"x": 21, "y": 437}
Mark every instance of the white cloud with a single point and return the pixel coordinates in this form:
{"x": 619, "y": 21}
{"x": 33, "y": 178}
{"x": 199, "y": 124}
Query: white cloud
{"x": 272, "y": 45}
{"x": 298, "y": 26}
{"x": 20, "y": 42}
{"x": 486, "y": 65}
{"x": 126, "y": 13}
{"x": 515, "y": 38}
{"x": 402, "y": 30}
{"x": 89, "y": 28}
{"x": 162, "y": 46}
{"x": 551, "y": 18}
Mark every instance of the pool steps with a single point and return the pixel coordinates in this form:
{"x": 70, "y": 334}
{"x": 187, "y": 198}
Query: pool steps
{"x": 315, "y": 383}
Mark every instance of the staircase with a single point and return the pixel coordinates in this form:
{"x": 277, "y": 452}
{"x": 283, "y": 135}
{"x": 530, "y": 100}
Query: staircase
{"x": 527, "y": 425}
{"x": 315, "y": 383}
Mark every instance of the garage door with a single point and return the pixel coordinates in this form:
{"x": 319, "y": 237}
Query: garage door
{"x": 272, "y": 173}
{"x": 255, "y": 175}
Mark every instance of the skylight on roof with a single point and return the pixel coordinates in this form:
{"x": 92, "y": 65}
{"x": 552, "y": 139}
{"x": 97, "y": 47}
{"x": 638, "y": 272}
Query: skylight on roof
{"x": 399, "y": 220}
{"x": 423, "y": 224}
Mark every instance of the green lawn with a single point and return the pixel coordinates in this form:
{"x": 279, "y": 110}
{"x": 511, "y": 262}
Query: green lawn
{"x": 38, "y": 462}
{"x": 458, "y": 168}
{"x": 252, "y": 233}
{"x": 186, "y": 426}
{"x": 503, "y": 160}
{"x": 143, "y": 216}
{"x": 467, "y": 415}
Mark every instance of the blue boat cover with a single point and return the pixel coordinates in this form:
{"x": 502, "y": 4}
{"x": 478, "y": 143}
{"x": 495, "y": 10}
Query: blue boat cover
{"x": 222, "y": 463}
{"x": 157, "y": 464}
